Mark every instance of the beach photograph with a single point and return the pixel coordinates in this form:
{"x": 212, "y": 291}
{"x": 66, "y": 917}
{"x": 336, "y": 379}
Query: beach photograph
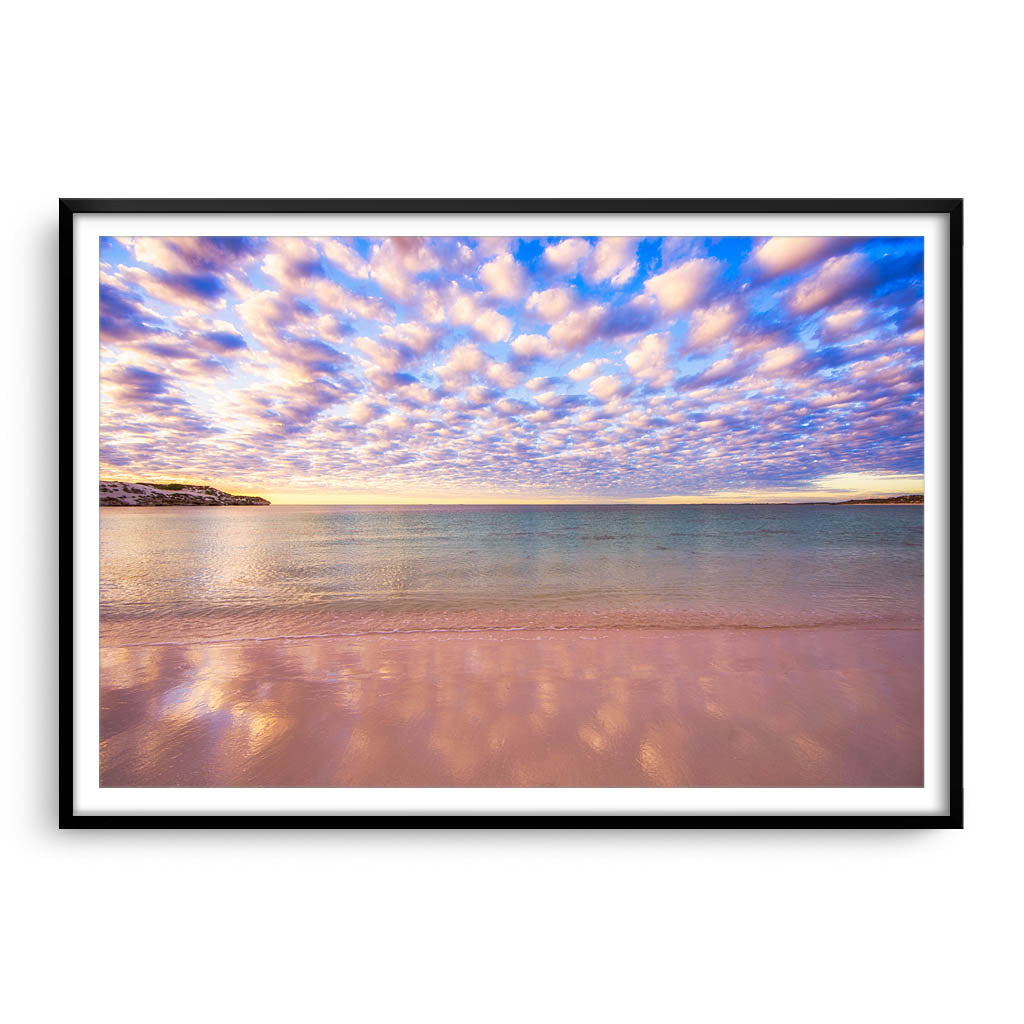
{"x": 523, "y": 543}
{"x": 561, "y": 511}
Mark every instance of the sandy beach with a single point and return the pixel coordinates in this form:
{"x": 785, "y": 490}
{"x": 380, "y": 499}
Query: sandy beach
{"x": 716, "y": 707}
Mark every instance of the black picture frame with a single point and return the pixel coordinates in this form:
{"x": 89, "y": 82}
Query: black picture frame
{"x": 950, "y": 208}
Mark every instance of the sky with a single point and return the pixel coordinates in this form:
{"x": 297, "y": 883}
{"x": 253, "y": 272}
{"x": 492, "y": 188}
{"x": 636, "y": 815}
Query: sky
{"x": 355, "y": 370}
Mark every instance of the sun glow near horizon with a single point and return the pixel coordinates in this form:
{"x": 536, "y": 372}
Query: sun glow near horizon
{"x": 842, "y": 488}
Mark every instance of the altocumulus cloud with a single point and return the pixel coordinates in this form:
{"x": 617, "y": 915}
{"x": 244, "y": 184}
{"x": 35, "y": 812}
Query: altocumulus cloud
{"x": 525, "y": 368}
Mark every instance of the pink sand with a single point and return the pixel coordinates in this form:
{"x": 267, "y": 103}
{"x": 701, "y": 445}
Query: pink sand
{"x": 718, "y": 707}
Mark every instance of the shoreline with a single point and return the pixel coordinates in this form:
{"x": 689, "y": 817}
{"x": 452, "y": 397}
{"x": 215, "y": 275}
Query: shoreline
{"x": 441, "y": 633}
{"x": 299, "y": 628}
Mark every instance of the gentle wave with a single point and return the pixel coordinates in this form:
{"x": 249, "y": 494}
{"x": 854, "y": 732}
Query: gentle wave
{"x": 591, "y": 628}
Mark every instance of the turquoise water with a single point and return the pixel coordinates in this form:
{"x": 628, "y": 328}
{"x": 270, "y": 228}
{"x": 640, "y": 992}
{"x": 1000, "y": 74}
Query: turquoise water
{"x": 196, "y": 574}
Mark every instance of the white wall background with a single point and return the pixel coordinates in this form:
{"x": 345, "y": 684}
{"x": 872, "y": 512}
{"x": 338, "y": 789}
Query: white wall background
{"x": 532, "y": 99}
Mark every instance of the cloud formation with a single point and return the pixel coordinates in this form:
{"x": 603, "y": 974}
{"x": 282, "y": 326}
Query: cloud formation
{"x": 594, "y": 368}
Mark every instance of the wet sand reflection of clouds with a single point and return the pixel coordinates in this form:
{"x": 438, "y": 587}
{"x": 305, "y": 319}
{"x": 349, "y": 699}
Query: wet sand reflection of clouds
{"x": 634, "y": 708}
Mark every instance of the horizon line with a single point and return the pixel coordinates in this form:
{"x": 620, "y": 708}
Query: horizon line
{"x": 796, "y": 496}
{"x": 581, "y": 504}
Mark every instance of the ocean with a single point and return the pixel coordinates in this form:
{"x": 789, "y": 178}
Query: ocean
{"x": 201, "y": 574}
{"x": 511, "y": 646}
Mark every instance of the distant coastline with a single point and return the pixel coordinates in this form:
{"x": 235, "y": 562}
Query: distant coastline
{"x": 118, "y": 493}
{"x": 903, "y": 499}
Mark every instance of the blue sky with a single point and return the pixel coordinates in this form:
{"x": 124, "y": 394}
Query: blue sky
{"x": 545, "y": 369}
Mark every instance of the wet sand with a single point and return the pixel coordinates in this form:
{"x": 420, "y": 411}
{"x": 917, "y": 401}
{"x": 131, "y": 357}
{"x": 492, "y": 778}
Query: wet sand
{"x": 628, "y": 707}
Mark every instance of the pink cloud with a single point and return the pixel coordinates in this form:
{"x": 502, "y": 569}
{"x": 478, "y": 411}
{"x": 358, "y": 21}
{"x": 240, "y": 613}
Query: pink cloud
{"x": 781, "y": 255}
{"x": 649, "y": 360}
{"x": 586, "y": 370}
{"x": 837, "y": 279}
{"x": 552, "y": 304}
{"x": 567, "y": 255}
{"x": 614, "y": 260}
{"x": 606, "y": 387}
{"x": 463, "y": 361}
{"x": 504, "y": 278}
{"x": 534, "y": 346}
{"x": 781, "y": 358}
{"x": 682, "y": 287}
{"x": 396, "y": 262}
{"x": 363, "y": 411}
{"x": 580, "y": 327}
{"x": 467, "y": 310}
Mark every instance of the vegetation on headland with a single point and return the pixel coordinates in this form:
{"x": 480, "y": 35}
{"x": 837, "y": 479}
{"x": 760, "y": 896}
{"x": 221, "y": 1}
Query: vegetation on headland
{"x": 118, "y": 493}
{"x": 903, "y": 499}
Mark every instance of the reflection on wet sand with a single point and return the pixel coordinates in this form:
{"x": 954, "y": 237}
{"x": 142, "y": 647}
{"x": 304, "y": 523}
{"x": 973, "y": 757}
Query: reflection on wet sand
{"x": 794, "y": 707}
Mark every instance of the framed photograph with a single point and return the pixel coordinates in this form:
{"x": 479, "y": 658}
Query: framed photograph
{"x": 520, "y": 512}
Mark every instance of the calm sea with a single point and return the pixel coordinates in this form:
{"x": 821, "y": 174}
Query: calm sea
{"x": 171, "y": 575}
